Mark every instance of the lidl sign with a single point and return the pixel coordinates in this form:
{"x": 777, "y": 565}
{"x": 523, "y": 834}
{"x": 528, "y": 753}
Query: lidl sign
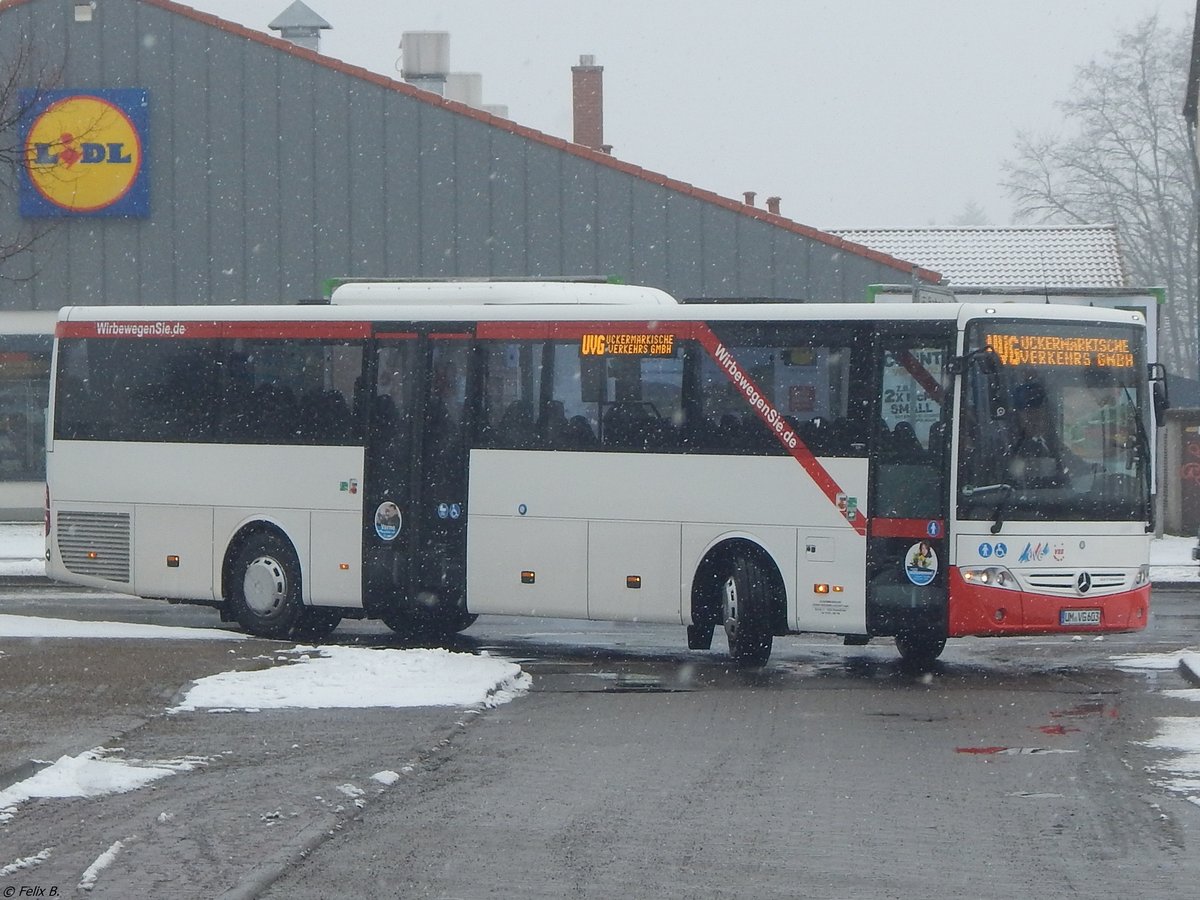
{"x": 85, "y": 153}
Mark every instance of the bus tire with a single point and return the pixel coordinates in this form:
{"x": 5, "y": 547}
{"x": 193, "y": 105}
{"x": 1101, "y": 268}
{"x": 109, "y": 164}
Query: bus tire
{"x": 746, "y": 611}
{"x": 316, "y": 623}
{"x": 920, "y": 649}
{"x": 264, "y": 593}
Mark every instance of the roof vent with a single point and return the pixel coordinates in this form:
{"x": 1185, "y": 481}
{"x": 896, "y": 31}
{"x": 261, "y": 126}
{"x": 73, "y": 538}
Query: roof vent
{"x": 425, "y": 59}
{"x": 300, "y": 25}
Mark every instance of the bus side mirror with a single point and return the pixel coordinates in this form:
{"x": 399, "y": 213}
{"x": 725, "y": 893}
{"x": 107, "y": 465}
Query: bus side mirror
{"x": 1157, "y": 374}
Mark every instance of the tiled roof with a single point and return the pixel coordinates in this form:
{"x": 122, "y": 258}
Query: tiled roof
{"x": 1083, "y": 256}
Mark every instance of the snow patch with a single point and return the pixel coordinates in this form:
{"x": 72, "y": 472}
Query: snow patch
{"x": 38, "y": 627}
{"x": 358, "y": 678}
{"x": 103, "y": 861}
{"x": 91, "y": 774}
{"x": 27, "y": 863}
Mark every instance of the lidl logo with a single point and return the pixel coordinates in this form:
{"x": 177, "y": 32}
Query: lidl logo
{"x": 84, "y": 153}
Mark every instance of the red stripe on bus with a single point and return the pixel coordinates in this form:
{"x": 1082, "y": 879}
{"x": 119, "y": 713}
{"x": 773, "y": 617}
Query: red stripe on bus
{"x": 396, "y": 335}
{"x": 451, "y": 336}
{"x": 918, "y": 529}
{"x": 163, "y": 329}
{"x": 783, "y": 432}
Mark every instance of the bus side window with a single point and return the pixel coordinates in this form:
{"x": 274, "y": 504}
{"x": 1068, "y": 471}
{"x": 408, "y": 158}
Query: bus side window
{"x": 570, "y": 417}
{"x": 513, "y": 382}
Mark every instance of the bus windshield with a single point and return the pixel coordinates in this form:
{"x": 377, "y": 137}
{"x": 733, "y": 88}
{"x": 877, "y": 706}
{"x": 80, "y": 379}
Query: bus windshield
{"x": 1053, "y": 424}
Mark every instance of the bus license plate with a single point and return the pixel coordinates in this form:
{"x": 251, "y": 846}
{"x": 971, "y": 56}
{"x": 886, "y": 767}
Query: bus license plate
{"x": 1079, "y": 617}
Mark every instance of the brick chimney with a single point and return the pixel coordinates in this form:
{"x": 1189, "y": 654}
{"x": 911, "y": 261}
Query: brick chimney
{"x": 749, "y": 196}
{"x": 773, "y": 205}
{"x": 587, "y": 82}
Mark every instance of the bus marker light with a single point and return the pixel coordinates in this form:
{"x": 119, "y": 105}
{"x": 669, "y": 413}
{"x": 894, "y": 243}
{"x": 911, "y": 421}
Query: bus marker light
{"x": 837, "y": 588}
{"x": 92, "y": 554}
{"x": 528, "y": 577}
{"x": 345, "y": 567}
{"x": 633, "y": 582}
{"x": 820, "y": 589}
{"x": 172, "y": 562}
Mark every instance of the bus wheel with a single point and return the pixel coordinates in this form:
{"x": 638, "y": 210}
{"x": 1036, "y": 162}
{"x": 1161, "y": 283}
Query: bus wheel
{"x": 745, "y": 609}
{"x": 265, "y": 587}
{"x": 919, "y": 649}
{"x": 316, "y": 623}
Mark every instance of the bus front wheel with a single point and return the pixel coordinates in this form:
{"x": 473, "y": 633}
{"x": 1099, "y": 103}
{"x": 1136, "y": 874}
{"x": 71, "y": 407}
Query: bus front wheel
{"x": 745, "y": 610}
{"x": 265, "y": 587}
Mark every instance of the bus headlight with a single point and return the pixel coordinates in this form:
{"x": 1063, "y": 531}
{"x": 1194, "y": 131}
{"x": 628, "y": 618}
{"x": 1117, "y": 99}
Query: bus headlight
{"x": 1142, "y": 576}
{"x": 989, "y": 576}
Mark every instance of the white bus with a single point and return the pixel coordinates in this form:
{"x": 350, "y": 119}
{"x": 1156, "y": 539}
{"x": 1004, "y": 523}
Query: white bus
{"x": 920, "y": 472}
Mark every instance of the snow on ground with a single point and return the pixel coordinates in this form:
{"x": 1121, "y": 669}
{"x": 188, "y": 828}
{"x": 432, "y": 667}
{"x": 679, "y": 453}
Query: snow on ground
{"x": 36, "y": 627}
{"x": 22, "y": 549}
{"x": 1179, "y": 736}
{"x": 360, "y": 677}
{"x": 304, "y": 677}
{"x": 307, "y": 678}
{"x": 1171, "y": 559}
{"x": 91, "y": 774}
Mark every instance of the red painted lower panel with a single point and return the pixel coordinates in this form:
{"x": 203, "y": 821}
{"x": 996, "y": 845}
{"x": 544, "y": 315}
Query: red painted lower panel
{"x": 992, "y": 612}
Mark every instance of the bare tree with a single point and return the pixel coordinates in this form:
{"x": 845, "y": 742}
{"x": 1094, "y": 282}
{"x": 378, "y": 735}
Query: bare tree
{"x": 1127, "y": 162}
{"x": 21, "y": 79}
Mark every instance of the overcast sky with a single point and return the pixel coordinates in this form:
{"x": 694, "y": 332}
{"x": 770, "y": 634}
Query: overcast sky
{"x": 857, "y": 113}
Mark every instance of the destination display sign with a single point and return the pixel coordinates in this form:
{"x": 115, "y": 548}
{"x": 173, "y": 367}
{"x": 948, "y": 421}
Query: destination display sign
{"x": 627, "y": 345}
{"x": 1054, "y": 350}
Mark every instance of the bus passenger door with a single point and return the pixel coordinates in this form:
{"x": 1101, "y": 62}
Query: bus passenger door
{"x": 440, "y": 479}
{"x": 389, "y": 539}
{"x": 415, "y": 504}
{"x": 906, "y": 537}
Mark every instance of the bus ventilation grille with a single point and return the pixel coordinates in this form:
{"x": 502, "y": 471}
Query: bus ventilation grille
{"x": 95, "y": 543}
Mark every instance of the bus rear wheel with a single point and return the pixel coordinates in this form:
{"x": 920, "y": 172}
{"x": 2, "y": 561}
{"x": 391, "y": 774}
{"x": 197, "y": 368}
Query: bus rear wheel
{"x": 265, "y": 587}
{"x": 745, "y": 610}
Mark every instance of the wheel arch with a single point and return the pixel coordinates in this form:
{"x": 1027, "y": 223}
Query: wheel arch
{"x": 243, "y": 533}
{"x": 716, "y": 560}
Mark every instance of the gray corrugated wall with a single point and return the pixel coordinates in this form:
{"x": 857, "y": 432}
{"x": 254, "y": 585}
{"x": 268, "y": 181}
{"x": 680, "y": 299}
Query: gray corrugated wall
{"x": 270, "y": 173}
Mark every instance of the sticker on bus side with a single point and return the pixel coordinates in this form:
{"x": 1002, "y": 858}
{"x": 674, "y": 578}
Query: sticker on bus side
{"x": 388, "y": 521}
{"x": 920, "y": 563}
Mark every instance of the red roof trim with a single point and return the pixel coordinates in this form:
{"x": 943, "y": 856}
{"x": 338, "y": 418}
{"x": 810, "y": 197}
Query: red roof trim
{"x": 532, "y": 134}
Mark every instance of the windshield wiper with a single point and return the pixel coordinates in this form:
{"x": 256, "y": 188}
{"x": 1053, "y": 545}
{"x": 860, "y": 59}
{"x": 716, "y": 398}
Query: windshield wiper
{"x": 1003, "y": 489}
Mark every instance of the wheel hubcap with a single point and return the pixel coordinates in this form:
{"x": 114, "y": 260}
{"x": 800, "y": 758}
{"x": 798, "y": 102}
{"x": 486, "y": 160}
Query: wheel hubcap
{"x": 264, "y": 585}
